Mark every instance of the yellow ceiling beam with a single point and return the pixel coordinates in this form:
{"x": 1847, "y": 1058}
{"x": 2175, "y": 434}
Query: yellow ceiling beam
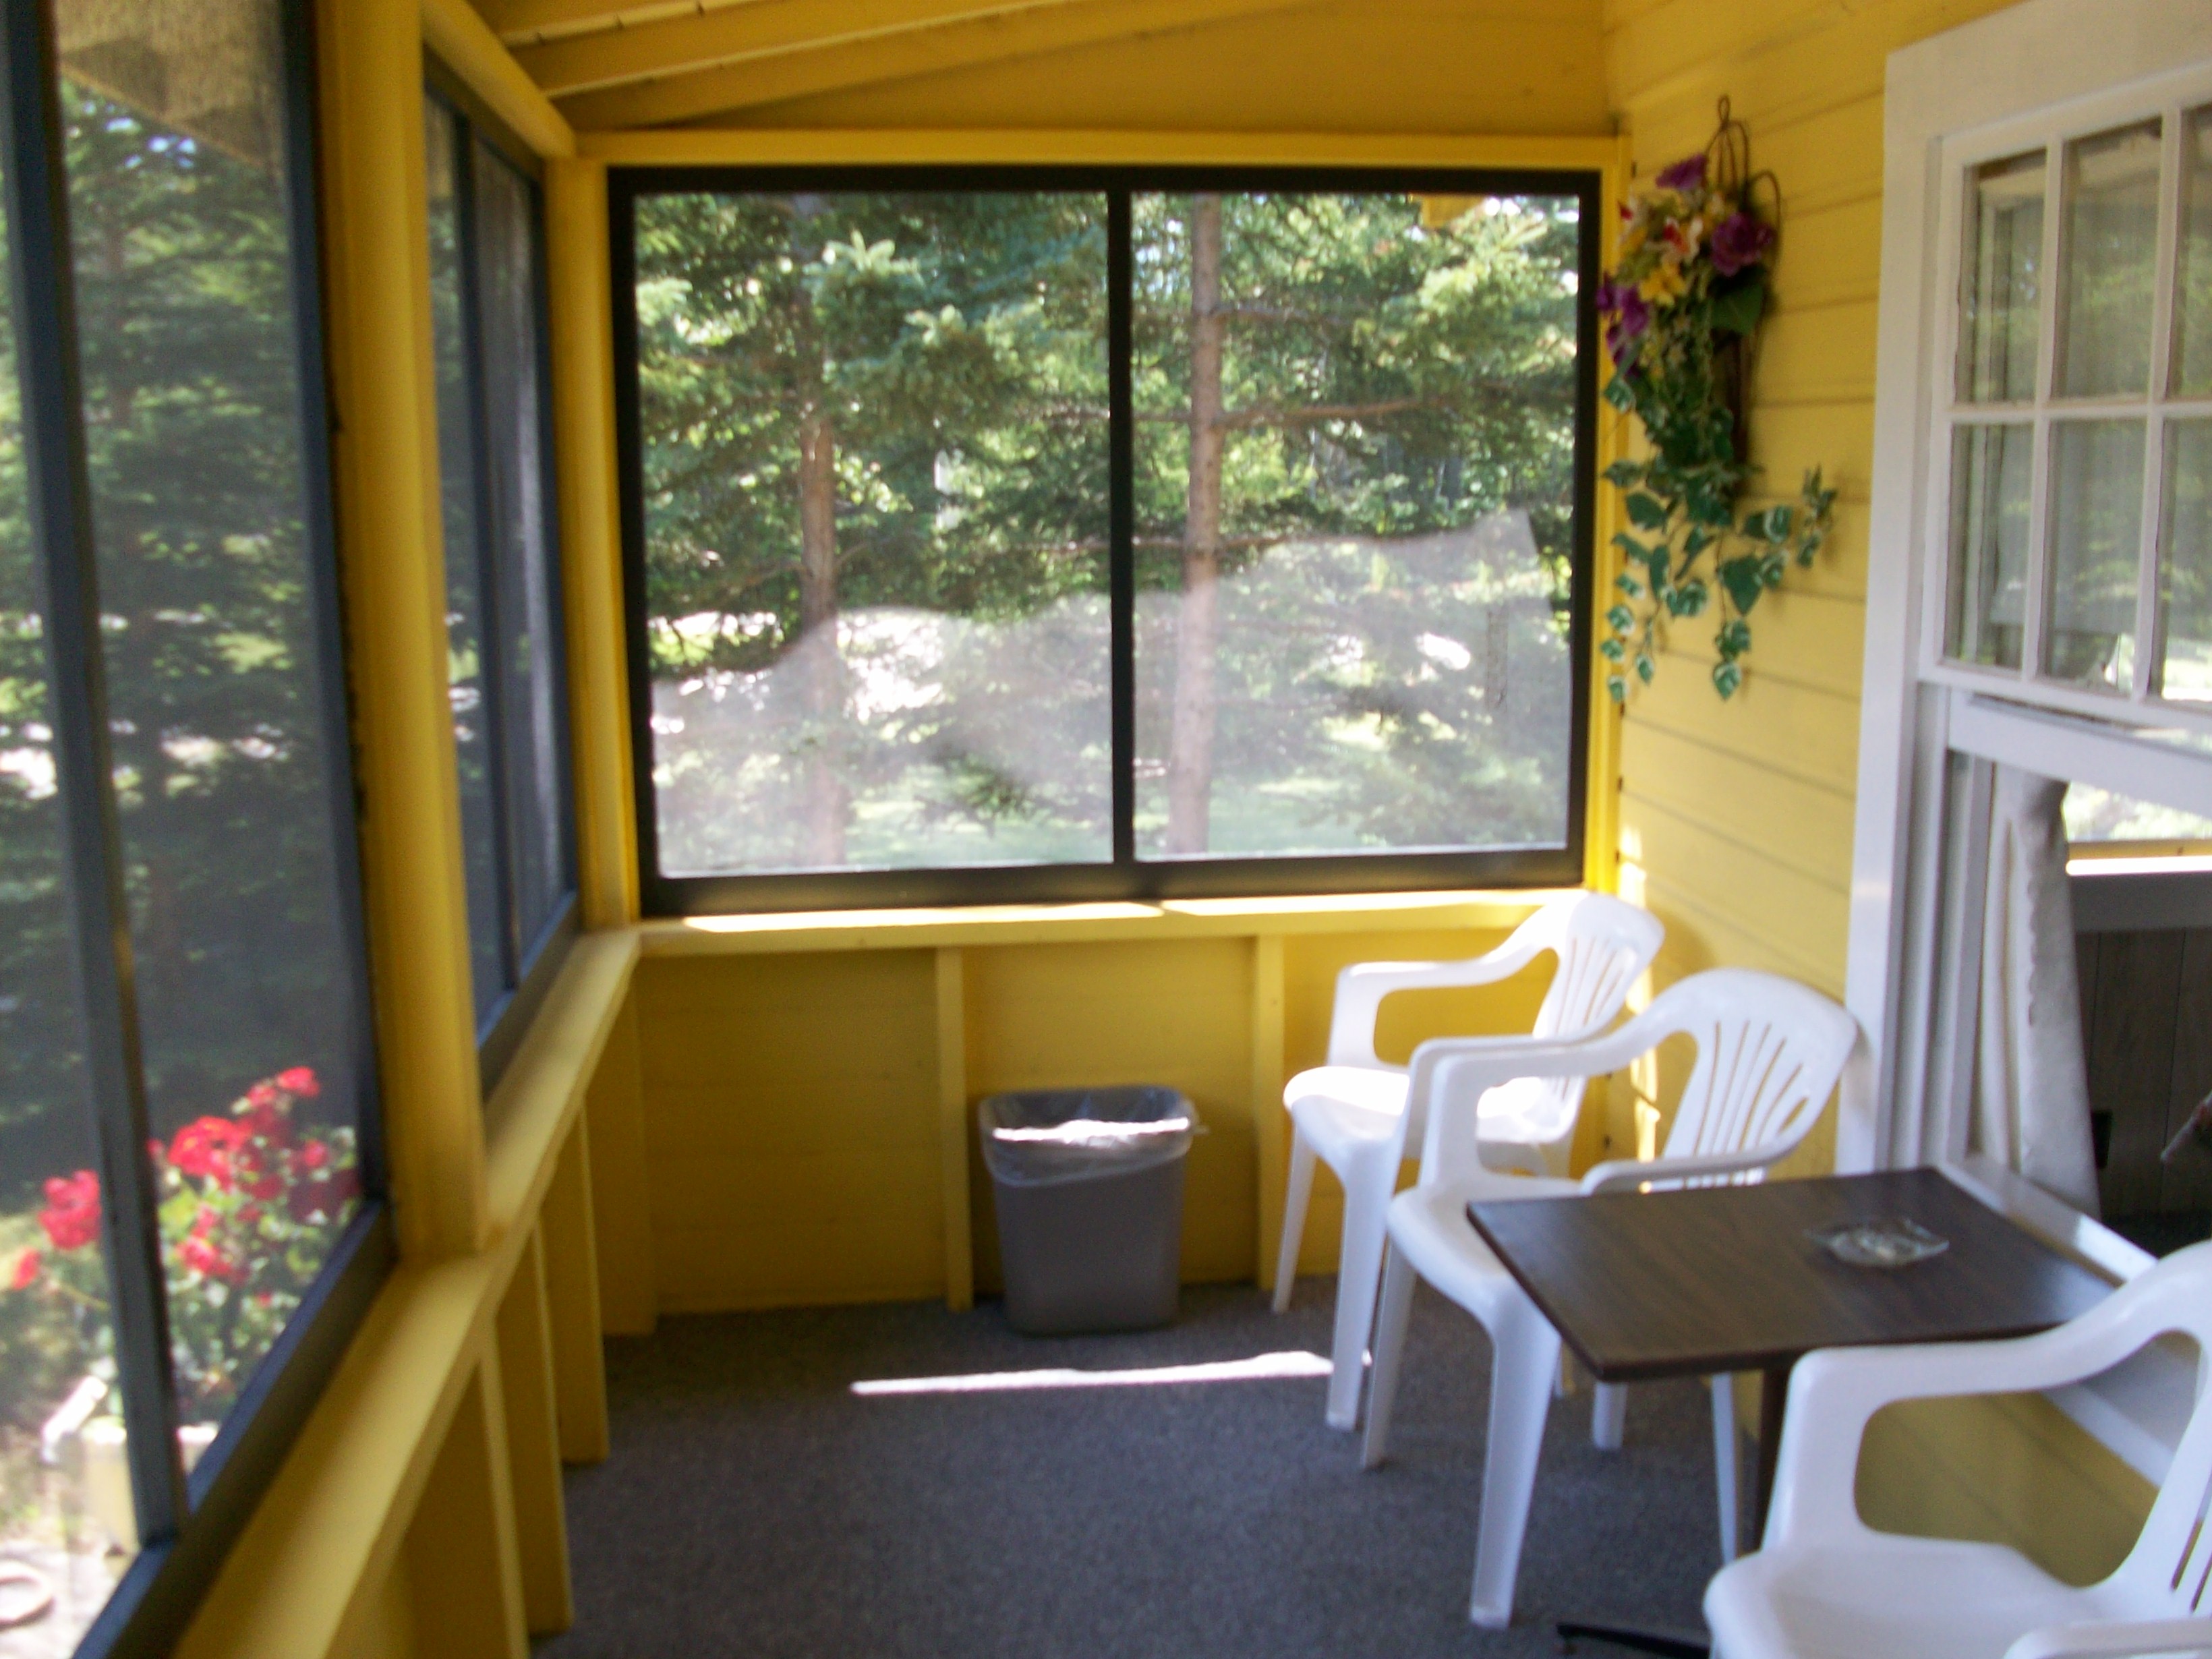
{"x": 458, "y": 37}
{"x": 747, "y": 33}
{"x": 1119, "y": 147}
{"x": 517, "y": 21}
{"x": 933, "y": 37}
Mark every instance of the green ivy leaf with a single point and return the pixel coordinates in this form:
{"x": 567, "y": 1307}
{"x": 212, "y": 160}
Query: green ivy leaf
{"x": 1727, "y": 677}
{"x": 1628, "y": 585}
{"x": 1690, "y": 597}
{"x": 1738, "y": 309}
{"x": 1734, "y": 639}
{"x": 1617, "y": 687}
{"x": 1645, "y": 668}
{"x": 1647, "y": 512}
{"x": 1617, "y": 394}
{"x": 1698, "y": 541}
{"x": 1620, "y": 619}
{"x": 1741, "y": 577}
{"x": 1612, "y": 650}
{"x": 1628, "y": 543}
{"x": 1626, "y": 475}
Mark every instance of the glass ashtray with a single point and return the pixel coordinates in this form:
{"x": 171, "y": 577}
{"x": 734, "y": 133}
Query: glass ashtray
{"x": 1888, "y": 1241}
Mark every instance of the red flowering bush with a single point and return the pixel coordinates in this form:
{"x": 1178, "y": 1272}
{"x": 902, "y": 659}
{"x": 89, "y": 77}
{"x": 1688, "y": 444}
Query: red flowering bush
{"x": 248, "y": 1209}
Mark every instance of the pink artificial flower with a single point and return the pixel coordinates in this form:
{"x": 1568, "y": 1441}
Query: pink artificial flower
{"x": 314, "y": 1155}
{"x": 299, "y": 1080}
{"x": 27, "y": 1272}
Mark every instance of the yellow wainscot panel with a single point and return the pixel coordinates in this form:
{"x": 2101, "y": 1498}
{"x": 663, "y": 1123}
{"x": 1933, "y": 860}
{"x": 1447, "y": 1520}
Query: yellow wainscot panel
{"x": 1175, "y": 1013}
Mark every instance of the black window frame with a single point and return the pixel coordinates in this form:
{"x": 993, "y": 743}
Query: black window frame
{"x": 1126, "y": 877}
{"x": 186, "y": 1525}
{"x": 531, "y": 964}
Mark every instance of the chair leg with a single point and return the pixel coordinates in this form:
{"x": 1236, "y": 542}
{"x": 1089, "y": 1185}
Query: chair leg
{"x": 1295, "y": 1200}
{"x": 1609, "y": 1415}
{"x": 1726, "y": 1438}
{"x": 1524, "y": 1356}
{"x": 1367, "y": 1194}
{"x": 1390, "y": 1323}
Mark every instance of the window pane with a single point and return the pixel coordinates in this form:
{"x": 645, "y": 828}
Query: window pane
{"x": 2000, "y": 281}
{"x": 1354, "y": 502}
{"x": 458, "y": 486}
{"x": 2193, "y": 300}
{"x": 532, "y": 707}
{"x": 194, "y": 417}
{"x": 2096, "y": 539}
{"x": 65, "y": 1506}
{"x": 2110, "y": 256}
{"x": 2097, "y": 817}
{"x": 1989, "y": 484}
{"x": 874, "y": 449}
{"x": 2185, "y": 561}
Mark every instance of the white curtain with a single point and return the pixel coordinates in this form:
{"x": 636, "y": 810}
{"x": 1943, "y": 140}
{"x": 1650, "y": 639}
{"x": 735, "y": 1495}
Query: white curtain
{"x": 2031, "y": 1087}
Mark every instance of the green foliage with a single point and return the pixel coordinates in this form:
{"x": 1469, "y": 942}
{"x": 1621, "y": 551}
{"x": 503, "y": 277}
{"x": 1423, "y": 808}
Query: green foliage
{"x": 1390, "y": 387}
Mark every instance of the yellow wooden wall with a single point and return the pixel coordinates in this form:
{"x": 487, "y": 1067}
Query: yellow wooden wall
{"x": 772, "y": 1134}
{"x": 1735, "y": 818}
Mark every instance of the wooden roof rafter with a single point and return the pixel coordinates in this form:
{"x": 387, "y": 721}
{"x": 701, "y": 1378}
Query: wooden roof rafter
{"x": 710, "y": 58}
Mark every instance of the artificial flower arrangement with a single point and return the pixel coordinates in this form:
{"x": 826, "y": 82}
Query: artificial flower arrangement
{"x": 1682, "y": 306}
{"x": 248, "y": 1208}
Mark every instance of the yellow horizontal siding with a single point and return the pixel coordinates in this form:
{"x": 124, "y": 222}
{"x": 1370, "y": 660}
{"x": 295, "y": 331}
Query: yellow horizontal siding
{"x": 1735, "y": 818}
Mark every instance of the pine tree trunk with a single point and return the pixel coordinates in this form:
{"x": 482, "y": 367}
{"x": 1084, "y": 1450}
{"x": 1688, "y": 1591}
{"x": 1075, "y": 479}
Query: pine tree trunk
{"x": 826, "y": 803}
{"x": 1197, "y": 626}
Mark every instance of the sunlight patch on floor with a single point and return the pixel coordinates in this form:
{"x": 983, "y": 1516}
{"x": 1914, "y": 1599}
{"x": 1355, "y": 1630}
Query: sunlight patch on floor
{"x": 1260, "y": 1368}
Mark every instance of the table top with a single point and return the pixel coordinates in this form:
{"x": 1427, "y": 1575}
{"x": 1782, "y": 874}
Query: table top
{"x": 1724, "y": 1278}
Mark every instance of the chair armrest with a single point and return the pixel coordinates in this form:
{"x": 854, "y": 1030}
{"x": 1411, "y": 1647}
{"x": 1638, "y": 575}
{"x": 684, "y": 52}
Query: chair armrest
{"x": 1450, "y": 1075}
{"x": 2119, "y": 1640}
{"x": 1361, "y": 988}
{"x": 1835, "y": 1392}
{"x": 1620, "y": 1174}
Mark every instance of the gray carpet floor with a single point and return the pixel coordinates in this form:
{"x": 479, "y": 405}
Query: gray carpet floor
{"x": 755, "y": 1506}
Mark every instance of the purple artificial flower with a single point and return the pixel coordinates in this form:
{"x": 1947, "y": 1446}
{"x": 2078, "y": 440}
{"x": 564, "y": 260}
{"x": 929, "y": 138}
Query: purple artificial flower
{"x": 1740, "y": 240}
{"x": 1688, "y": 174}
{"x": 1628, "y": 326}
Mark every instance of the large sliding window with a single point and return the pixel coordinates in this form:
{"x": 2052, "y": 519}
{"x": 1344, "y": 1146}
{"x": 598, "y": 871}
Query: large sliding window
{"x": 1024, "y": 534}
{"x": 509, "y": 688}
{"x": 190, "y": 1211}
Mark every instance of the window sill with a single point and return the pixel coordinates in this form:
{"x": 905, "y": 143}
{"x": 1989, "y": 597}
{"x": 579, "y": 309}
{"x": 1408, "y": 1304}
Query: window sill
{"x": 794, "y": 932}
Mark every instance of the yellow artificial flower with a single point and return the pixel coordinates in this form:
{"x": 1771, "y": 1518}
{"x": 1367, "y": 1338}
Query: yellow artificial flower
{"x": 1663, "y": 286}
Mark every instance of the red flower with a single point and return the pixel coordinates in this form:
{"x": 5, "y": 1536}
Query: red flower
{"x": 261, "y": 1093}
{"x": 301, "y": 1080}
{"x": 267, "y": 1188}
{"x": 202, "y": 1255}
{"x": 323, "y": 1199}
{"x": 27, "y": 1272}
{"x": 71, "y": 1218}
{"x": 314, "y": 1155}
{"x": 206, "y": 1147}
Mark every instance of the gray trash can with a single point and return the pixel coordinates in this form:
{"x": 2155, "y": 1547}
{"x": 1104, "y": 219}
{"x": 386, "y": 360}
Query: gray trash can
{"x": 1088, "y": 1184}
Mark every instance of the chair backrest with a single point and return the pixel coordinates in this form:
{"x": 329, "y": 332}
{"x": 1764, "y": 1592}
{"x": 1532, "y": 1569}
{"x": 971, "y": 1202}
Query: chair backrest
{"x": 1769, "y": 1053}
{"x": 2170, "y": 1568}
{"x": 1603, "y": 944}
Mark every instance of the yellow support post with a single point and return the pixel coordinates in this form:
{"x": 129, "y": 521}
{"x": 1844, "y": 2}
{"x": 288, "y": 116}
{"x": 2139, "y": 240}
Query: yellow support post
{"x": 533, "y": 1446}
{"x": 392, "y": 547}
{"x": 1267, "y": 1096}
{"x": 590, "y": 536}
{"x": 461, "y": 1567}
{"x": 952, "y": 1129}
{"x": 572, "y": 1295}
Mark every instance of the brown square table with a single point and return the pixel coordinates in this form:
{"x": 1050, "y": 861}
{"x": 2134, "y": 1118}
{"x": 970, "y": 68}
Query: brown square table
{"x": 1712, "y": 1280}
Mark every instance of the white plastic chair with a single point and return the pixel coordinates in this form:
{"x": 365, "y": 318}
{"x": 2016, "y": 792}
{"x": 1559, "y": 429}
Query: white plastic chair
{"x": 1826, "y": 1583}
{"x": 1357, "y": 1114}
{"x": 1769, "y": 1053}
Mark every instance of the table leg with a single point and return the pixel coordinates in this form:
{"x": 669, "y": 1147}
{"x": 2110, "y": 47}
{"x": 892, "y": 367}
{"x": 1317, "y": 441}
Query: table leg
{"x": 1773, "y": 1398}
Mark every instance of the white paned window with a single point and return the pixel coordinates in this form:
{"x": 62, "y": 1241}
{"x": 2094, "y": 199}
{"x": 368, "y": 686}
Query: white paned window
{"x": 2068, "y": 500}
